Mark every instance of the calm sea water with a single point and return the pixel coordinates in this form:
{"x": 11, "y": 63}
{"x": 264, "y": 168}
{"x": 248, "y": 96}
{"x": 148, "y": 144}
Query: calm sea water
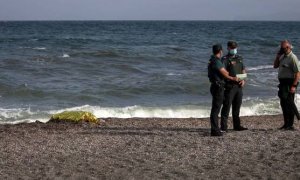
{"x": 131, "y": 68}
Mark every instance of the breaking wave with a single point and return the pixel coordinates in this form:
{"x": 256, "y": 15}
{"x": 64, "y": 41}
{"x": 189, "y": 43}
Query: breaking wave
{"x": 260, "y": 67}
{"x": 251, "y": 107}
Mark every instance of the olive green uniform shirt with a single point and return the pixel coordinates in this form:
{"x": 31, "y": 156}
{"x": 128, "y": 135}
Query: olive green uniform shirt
{"x": 288, "y": 66}
{"x": 233, "y": 64}
{"x": 214, "y": 66}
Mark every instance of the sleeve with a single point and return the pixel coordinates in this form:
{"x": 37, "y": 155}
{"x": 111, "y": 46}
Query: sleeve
{"x": 219, "y": 65}
{"x": 296, "y": 64}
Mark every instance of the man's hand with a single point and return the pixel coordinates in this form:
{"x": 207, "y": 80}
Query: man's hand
{"x": 276, "y": 61}
{"x": 293, "y": 90}
{"x": 242, "y": 83}
{"x": 235, "y": 79}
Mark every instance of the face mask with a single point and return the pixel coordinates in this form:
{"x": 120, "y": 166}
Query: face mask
{"x": 233, "y": 51}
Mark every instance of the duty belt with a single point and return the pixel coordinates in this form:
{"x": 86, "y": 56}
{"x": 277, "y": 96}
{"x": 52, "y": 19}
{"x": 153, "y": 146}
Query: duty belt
{"x": 219, "y": 83}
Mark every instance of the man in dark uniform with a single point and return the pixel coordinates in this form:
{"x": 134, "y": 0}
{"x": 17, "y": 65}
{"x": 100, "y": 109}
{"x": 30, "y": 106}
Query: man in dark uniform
{"x": 233, "y": 90}
{"x": 217, "y": 74}
{"x": 288, "y": 75}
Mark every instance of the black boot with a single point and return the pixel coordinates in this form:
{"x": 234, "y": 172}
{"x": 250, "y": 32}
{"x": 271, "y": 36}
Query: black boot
{"x": 216, "y": 133}
{"x": 240, "y": 128}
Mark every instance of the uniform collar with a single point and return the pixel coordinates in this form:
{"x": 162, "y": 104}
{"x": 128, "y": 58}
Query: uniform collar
{"x": 214, "y": 57}
{"x": 231, "y": 56}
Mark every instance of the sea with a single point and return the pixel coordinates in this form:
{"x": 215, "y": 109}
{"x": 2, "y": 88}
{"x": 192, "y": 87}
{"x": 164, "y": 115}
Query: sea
{"x": 128, "y": 69}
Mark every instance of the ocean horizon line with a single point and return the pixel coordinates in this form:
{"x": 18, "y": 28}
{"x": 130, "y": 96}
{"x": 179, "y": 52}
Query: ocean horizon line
{"x": 149, "y": 20}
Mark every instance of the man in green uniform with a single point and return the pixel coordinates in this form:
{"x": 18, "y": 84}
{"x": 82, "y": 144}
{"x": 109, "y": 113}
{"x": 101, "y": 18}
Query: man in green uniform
{"x": 233, "y": 94}
{"x": 217, "y": 74}
{"x": 288, "y": 75}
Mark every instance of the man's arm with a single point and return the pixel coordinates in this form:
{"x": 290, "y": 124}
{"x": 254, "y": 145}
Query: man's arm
{"x": 226, "y": 75}
{"x": 276, "y": 61}
{"x": 295, "y": 83}
{"x": 220, "y": 66}
{"x": 296, "y": 70}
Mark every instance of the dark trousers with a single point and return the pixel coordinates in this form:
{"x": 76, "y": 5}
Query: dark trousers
{"x": 233, "y": 95}
{"x": 285, "y": 101}
{"x": 217, "y": 92}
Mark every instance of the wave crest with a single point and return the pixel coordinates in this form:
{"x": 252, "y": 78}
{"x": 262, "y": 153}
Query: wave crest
{"x": 262, "y": 67}
{"x": 251, "y": 107}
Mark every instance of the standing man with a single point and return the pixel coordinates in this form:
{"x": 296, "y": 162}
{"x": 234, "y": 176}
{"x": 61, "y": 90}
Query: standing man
{"x": 217, "y": 74}
{"x": 288, "y": 75}
{"x": 233, "y": 90}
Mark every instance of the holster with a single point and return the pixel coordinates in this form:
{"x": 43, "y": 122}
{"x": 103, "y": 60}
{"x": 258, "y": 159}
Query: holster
{"x": 219, "y": 83}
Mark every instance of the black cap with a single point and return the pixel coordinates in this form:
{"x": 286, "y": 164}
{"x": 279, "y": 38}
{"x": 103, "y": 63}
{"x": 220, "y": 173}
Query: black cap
{"x": 232, "y": 44}
{"x": 216, "y": 48}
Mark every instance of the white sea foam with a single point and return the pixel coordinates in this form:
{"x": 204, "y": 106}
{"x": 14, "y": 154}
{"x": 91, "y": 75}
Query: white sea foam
{"x": 250, "y": 107}
{"x": 35, "y": 48}
{"x": 43, "y": 120}
{"x": 260, "y": 67}
{"x": 39, "y": 48}
{"x": 65, "y": 55}
{"x": 14, "y": 113}
{"x": 142, "y": 112}
{"x": 173, "y": 74}
{"x": 22, "y": 115}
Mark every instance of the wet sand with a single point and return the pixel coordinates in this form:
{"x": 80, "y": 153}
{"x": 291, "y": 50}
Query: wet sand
{"x": 149, "y": 149}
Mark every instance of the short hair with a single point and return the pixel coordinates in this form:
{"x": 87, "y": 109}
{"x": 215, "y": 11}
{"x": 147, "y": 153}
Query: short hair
{"x": 216, "y": 48}
{"x": 232, "y": 44}
{"x": 287, "y": 42}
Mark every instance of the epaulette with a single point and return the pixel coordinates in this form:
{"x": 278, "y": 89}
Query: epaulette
{"x": 236, "y": 57}
{"x": 240, "y": 58}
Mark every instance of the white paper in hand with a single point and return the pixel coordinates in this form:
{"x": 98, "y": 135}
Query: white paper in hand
{"x": 241, "y": 76}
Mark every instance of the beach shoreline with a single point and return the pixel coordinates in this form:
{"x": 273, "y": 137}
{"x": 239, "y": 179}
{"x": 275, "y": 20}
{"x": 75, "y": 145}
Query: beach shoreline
{"x": 150, "y": 148}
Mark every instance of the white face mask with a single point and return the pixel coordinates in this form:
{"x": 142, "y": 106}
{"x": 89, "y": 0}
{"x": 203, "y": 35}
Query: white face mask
{"x": 233, "y": 51}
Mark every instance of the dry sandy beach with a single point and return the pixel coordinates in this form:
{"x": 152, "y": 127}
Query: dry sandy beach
{"x": 149, "y": 149}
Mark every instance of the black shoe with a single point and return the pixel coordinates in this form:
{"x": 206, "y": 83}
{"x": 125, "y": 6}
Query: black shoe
{"x": 241, "y": 128}
{"x": 283, "y": 127}
{"x": 289, "y": 128}
{"x": 217, "y": 133}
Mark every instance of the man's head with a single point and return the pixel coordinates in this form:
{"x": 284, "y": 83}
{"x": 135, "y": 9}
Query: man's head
{"x": 232, "y": 47}
{"x": 285, "y": 47}
{"x": 217, "y": 49}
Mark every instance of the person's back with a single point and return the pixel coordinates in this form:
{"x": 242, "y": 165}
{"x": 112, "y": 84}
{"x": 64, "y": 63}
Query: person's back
{"x": 214, "y": 74}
